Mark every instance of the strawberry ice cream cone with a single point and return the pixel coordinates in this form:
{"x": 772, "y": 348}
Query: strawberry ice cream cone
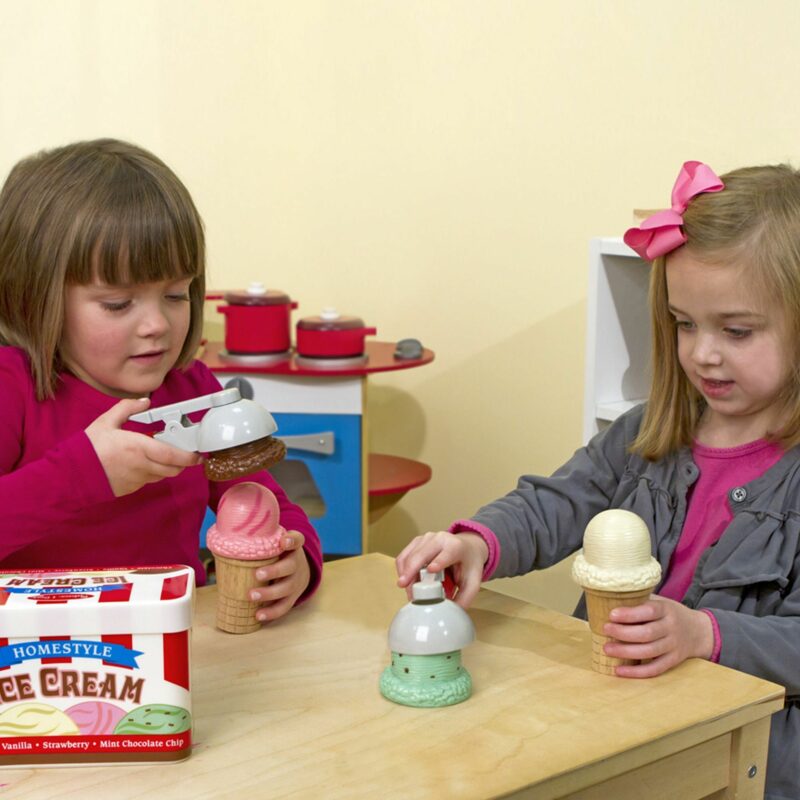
{"x": 247, "y": 536}
{"x": 236, "y": 612}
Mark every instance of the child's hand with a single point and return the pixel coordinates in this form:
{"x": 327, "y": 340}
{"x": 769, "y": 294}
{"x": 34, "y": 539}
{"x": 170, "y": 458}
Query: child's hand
{"x": 465, "y": 552}
{"x": 662, "y": 630}
{"x": 131, "y": 460}
{"x": 289, "y": 577}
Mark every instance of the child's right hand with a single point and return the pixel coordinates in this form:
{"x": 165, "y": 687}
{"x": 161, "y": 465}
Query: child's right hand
{"x": 465, "y": 552}
{"x": 131, "y": 460}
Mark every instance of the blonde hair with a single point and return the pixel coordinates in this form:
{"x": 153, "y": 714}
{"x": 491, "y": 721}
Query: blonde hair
{"x": 101, "y": 209}
{"x": 754, "y": 222}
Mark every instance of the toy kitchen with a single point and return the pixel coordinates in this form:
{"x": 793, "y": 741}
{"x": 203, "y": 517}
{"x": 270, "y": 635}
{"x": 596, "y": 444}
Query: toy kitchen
{"x": 314, "y": 385}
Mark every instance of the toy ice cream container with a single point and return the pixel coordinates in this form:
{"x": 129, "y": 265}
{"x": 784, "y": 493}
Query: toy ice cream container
{"x": 425, "y": 638}
{"x": 95, "y": 665}
{"x": 614, "y": 569}
{"x": 247, "y": 535}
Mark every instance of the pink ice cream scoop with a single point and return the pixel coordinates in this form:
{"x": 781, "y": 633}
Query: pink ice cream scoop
{"x": 95, "y": 717}
{"x": 247, "y": 526}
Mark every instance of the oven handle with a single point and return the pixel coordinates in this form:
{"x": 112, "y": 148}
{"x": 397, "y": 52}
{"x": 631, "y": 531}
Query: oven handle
{"x": 323, "y": 443}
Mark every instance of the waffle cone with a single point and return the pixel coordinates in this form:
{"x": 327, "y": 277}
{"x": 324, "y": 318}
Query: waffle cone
{"x": 598, "y": 607}
{"x": 236, "y": 612}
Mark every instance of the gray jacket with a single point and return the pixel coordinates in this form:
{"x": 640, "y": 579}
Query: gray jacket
{"x": 750, "y": 578}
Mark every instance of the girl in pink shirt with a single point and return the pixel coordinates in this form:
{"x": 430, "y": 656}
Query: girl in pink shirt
{"x": 102, "y": 282}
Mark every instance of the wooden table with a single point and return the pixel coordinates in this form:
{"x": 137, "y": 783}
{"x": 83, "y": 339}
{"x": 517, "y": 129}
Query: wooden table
{"x": 294, "y": 711}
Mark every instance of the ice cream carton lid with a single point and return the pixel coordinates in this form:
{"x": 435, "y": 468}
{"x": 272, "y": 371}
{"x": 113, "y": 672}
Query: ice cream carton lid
{"x": 106, "y": 600}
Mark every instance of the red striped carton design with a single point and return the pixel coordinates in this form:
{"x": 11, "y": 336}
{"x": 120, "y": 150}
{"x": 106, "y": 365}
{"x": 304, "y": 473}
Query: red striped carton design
{"x": 95, "y": 665}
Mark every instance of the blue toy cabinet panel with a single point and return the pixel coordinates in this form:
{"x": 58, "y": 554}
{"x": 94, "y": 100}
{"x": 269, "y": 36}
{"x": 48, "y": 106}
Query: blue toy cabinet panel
{"x": 328, "y": 486}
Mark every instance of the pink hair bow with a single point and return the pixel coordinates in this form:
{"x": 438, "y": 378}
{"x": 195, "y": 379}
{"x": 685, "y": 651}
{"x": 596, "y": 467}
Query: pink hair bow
{"x": 663, "y": 232}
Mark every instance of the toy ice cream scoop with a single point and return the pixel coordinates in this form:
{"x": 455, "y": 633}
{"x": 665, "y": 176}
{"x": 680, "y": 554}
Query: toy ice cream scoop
{"x": 235, "y": 433}
{"x": 614, "y": 569}
{"x": 426, "y": 637}
{"x": 247, "y": 535}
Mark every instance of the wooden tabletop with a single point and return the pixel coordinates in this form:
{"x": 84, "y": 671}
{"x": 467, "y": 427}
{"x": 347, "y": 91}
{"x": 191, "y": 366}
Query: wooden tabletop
{"x": 294, "y": 710}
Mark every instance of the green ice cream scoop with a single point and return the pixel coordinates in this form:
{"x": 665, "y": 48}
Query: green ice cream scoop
{"x": 426, "y": 681}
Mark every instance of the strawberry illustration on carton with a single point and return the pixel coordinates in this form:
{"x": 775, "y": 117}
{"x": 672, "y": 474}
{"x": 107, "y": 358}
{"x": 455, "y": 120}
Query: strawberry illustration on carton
{"x": 95, "y": 665}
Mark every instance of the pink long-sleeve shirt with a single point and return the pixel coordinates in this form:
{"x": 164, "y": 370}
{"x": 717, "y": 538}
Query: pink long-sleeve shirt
{"x": 58, "y": 509}
{"x": 722, "y": 469}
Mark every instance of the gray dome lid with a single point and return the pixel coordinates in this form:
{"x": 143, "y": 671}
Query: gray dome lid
{"x": 430, "y": 624}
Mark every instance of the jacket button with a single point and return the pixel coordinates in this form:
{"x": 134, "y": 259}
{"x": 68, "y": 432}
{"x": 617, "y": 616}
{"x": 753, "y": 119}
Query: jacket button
{"x": 738, "y": 494}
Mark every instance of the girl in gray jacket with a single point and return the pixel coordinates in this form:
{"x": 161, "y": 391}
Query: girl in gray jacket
{"x": 711, "y": 463}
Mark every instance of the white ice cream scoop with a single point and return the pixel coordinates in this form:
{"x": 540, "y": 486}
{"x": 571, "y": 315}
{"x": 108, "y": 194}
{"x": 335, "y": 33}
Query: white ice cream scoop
{"x": 231, "y": 421}
{"x": 616, "y": 553}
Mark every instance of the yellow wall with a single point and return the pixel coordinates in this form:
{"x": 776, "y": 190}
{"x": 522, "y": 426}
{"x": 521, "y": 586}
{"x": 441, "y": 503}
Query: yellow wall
{"x": 436, "y": 167}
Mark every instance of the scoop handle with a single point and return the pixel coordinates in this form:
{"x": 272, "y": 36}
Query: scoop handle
{"x": 183, "y": 407}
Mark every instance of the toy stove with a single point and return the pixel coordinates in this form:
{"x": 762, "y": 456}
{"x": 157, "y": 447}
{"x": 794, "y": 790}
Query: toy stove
{"x": 314, "y": 388}
{"x": 319, "y": 419}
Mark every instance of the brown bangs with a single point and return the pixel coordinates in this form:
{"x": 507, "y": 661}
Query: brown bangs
{"x": 136, "y": 231}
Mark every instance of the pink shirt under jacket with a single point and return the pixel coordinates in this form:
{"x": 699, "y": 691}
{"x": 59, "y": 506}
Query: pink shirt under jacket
{"x": 58, "y": 509}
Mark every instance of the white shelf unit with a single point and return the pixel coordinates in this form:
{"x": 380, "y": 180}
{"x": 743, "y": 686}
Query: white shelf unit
{"x": 617, "y": 333}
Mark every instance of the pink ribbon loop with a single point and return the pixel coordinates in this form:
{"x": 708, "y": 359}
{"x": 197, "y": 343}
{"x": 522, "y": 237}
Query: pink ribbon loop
{"x": 662, "y": 232}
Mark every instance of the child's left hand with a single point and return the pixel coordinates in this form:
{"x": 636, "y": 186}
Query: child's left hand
{"x": 289, "y": 577}
{"x": 662, "y": 630}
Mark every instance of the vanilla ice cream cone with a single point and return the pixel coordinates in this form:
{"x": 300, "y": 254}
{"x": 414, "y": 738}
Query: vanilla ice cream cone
{"x": 236, "y": 612}
{"x": 614, "y": 569}
{"x": 598, "y": 607}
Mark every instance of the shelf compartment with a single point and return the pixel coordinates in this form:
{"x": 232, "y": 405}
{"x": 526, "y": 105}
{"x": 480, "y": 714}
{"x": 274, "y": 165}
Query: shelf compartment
{"x": 389, "y": 478}
{"x": 608, "y": 412}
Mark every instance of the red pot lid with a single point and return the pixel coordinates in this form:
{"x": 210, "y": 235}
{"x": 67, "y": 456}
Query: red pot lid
{"x": 330, "y": 320}
{"x": 257, "y": 295}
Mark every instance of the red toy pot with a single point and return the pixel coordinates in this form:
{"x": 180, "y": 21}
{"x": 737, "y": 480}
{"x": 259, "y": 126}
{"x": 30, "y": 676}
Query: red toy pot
{"x": 257, "y": 321}
{"x": 331, "y": 335}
